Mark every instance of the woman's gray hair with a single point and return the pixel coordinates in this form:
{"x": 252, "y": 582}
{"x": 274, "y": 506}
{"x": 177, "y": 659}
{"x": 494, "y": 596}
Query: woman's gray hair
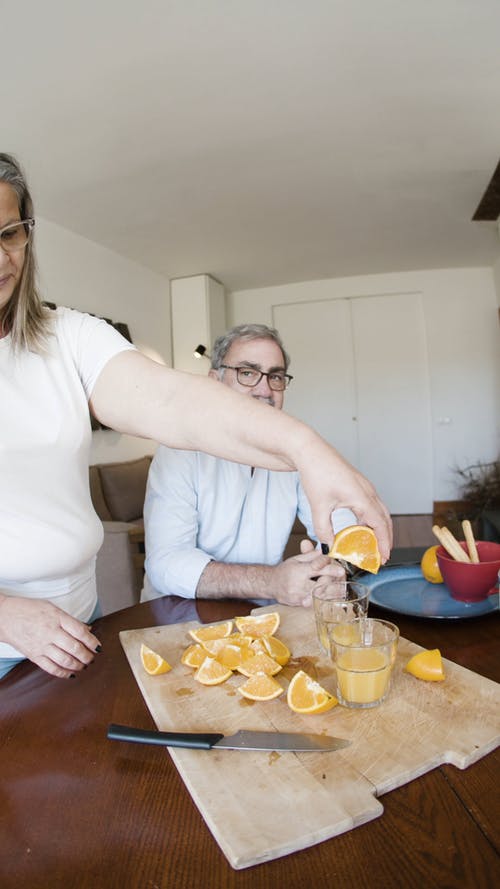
{"x": 24, "y": 315}
{"x": 245, "y": 332}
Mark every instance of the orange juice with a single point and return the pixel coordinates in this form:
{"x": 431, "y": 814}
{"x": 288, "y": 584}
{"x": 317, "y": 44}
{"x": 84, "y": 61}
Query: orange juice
{"x": 363, "y": 675}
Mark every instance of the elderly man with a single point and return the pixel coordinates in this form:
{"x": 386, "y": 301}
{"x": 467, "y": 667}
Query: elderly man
{"x": 214, "y": 528}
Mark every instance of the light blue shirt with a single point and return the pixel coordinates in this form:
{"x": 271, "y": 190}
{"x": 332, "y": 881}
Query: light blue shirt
{"x": 200, "y": 508}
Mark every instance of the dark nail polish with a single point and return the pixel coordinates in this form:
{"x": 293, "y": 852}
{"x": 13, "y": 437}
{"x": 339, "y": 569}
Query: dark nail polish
{"x": 325, "y": 549}
{"x": 99, "y": 648}
{"x": 72, "y": 676}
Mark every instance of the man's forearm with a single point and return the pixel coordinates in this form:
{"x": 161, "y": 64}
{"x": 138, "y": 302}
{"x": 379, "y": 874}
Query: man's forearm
{"x": 220, "y": 579}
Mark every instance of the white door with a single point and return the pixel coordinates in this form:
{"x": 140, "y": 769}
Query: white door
{"x": 394, "y": 420}
{"x": 318, "y": 338}
{"x": 361, "y": 380}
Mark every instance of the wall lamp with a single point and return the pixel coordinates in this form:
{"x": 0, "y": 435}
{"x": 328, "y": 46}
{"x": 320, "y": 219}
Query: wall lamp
{"x": 201, "y": 352}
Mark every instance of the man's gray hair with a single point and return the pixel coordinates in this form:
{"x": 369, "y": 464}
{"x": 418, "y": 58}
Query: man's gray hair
{"x": 245, "y": 332}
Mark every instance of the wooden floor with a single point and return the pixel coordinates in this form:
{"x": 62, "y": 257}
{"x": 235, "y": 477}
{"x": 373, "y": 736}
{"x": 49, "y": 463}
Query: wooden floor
{"x": 413, "y": 530}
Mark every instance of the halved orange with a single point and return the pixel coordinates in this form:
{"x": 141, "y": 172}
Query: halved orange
{"x": 153, "y": 662}
{"x": 357, "y": 545}
{"x": 261, "y": 688}
{"x": 211, "y": 672}
{"x": 430, "y": 567}
{"x": 214, "y": 631}
{"x": 305, "y": 695}
{"x": 194, "y": 655}
{"x": 426, "y": 665}
{"x": 259, "y": 663}
{"x": 256, "y": 625}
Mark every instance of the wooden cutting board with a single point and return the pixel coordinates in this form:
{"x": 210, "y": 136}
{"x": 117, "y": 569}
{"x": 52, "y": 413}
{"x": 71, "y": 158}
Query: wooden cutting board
{"x": 260, "y": 806}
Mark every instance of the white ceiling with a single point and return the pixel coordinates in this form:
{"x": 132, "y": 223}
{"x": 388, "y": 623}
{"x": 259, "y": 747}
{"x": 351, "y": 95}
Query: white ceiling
{"x": 260, "y": 141}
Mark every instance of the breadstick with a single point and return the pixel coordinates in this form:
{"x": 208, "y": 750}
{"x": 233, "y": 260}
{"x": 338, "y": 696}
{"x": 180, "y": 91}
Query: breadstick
{"x": 471, "y": 543}
{"x": 460, "y": 554}
{"x": 450, "y": 544}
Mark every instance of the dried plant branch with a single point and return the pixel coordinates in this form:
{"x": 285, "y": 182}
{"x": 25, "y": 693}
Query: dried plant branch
{"x": 481, "y": 486}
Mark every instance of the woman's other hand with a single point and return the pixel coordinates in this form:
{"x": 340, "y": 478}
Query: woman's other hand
{"x": 46, "y": 635}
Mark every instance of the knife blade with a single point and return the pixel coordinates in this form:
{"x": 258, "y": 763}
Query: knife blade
{"x": 285, "y": 742}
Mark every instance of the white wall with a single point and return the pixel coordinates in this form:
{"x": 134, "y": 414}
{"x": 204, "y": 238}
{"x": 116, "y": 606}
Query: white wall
{"x": 496, "y": 275}
{"x": 463, "y": 344}
{"x": 81, "y": 274}
{"x": 198, "y": 313}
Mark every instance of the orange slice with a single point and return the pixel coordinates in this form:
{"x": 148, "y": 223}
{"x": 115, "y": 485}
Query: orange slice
{"x": 261, "y": 688}
{"x": 214, "y": 631}
{"x": 276, "y": 649}
{"x": 259, "y": 663}
{"x": 426, "y": 665}
{"x": 211, "y": 672}
{"x": 239, "y": 639}
{"x": 213, "y": 647}
{"x": 256, "y": 625}
{"x": 194, "y": 655}
{"x": 153, "y": 662}
{"x": 305, "y": 695}
{"x": 357, "y": 545}
{"x": 430, "y": 567}
{"x": 233, "y": 656}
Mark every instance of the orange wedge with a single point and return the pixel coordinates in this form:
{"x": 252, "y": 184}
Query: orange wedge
{"x": 194, "y": 655}
{"x": 357, "y": 545}
{"x": 260, "y": 688}
{"x": 259, "y": 663}
{"x": 305, "y": 695}
{"x": 214, "y": 631}
{"x": 213, "y": 647}
{"x": 153, "y": 662}
{"x": 211, "y": 672}
{"x": 256, "y": 625}
{"x": 233, "y": 656}
{"x": 276, "y": 649}
{"x": 239, "y": 639}
{"x": 426, "y": 665}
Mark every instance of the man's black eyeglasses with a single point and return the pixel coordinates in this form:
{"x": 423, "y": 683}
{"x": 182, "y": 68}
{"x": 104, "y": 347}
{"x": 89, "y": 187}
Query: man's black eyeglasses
{"x": 249, "y": 376}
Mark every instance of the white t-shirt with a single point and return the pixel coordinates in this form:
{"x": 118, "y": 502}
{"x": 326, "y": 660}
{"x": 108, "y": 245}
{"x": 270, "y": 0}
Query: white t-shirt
{"x": 49, "y": 531}
{"x": 199, "y": 507}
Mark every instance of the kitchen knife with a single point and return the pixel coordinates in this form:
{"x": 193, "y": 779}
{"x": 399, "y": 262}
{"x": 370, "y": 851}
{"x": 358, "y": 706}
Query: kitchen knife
{"x": 242, "y": 740}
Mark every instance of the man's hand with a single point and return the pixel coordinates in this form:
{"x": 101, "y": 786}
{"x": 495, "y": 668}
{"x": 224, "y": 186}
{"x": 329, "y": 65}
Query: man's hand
{"x": 290, "y": 582}
{"x": 46, "y": 635}
{"x": 296, "y": 577}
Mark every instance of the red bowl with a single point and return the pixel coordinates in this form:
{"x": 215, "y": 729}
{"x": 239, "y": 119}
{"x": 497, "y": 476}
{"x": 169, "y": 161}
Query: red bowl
{"x": 471, "y": 582}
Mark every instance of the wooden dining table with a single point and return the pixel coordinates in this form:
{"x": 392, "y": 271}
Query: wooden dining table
{"x": 78, "y": 810}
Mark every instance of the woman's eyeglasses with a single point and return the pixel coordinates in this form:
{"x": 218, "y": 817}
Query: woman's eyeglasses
{"x": 15, "y": 236}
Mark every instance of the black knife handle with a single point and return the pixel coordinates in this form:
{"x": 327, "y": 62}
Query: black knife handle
{"x": 196, "y": 740}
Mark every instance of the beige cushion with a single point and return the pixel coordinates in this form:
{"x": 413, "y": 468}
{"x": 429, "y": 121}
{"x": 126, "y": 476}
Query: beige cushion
{"x": 124, "y": 487}
{"x": 97, "y": 495}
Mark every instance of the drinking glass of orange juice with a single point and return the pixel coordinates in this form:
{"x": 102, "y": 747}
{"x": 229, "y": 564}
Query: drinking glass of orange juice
{"x": 337, "y": 601}
{"x": 363, "y": 651}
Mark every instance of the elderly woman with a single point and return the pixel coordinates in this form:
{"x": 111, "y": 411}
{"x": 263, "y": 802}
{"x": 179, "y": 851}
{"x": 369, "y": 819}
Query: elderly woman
{"x": 53, "y": 366}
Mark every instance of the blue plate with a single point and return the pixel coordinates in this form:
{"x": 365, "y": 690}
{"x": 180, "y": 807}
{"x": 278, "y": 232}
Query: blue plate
{"x": 405, "y": 590}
